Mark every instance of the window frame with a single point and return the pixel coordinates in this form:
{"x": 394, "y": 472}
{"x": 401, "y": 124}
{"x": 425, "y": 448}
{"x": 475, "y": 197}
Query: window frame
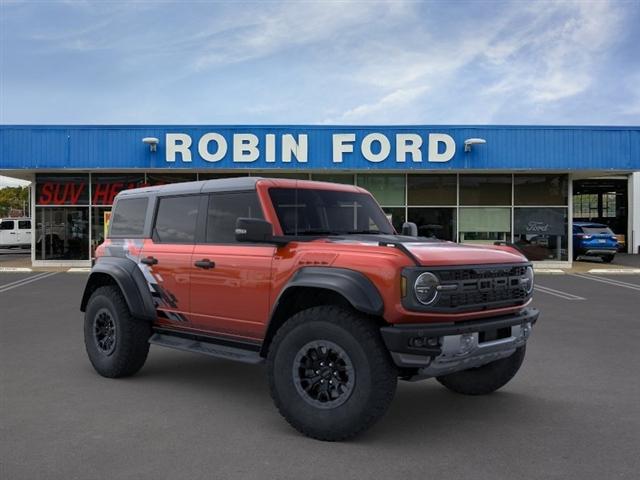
{"x": 198, "y": 227}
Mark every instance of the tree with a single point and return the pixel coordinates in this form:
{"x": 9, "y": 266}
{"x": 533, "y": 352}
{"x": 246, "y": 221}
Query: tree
{"x": 12, "y": 199}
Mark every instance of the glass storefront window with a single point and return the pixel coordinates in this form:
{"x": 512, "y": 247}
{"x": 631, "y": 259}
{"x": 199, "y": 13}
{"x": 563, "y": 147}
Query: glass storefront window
{"x": 396, "y": 216}
{"x": 387, "y": 189}
{"x": 294, "y": 176}
{"x": 98, "y": 215}
{"x": 333, "y": 178}
{"x": 435, "y": 222}
{"x": 214, "y": 176}
{"x": 164, "y": 178}
{"x": 62, "y": 189}
{"x": 104, "y": 187}
{"x": 541, "y": 233}
{"x": 485, "y": 190}
{"x": 485, "y": 225}
{"x": 541, "y": 189}
{"x": 62, "y": 233}
{"x": 426, "y": 190}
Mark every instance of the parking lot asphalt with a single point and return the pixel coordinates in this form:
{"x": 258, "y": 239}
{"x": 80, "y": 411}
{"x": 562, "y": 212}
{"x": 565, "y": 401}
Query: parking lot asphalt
{"x": 573, "y": 410}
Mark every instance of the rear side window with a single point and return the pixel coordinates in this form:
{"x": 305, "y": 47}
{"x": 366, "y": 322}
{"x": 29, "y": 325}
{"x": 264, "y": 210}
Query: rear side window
{"x": 224, "y": 210}
{"x": 594, "y": 230}
{"x": 128, "y": 217}
{"x": 24, "y": 224}
{"x": 6, "y": 225}
{"x": 176, "y": 219}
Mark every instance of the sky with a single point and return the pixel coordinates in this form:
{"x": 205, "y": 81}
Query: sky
{"x": 328, "y": 62}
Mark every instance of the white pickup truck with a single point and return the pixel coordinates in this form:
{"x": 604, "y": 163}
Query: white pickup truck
{"x": 15, "y": 232}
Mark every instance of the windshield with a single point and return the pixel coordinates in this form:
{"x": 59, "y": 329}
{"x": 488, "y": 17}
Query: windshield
{"x": 594, "y": 230}
{"x": 327, "y": 212}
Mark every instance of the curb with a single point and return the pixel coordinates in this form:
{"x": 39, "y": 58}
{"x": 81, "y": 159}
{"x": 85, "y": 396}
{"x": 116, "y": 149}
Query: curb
{"x": 625, "y": 271}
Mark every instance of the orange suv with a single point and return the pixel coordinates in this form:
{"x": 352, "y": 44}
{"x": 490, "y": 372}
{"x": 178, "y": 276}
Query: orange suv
{"x": 312, "y": 279}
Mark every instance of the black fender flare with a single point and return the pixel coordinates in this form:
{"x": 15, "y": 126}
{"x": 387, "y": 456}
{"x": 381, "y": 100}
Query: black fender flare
{"x": 130, "y": 280}
{"x": 359, "y": 291}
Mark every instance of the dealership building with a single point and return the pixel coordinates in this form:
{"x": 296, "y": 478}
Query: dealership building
{"x": 475, "y": 184}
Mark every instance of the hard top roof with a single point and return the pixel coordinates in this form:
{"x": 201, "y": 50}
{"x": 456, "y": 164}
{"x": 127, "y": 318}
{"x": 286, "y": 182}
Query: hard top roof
{"x": 229, "y": 185}
{"x": 221, "y": 184}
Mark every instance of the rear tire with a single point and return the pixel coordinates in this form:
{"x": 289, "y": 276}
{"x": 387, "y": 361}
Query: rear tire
{"x": 485, "y": 379}
{"x": 330, "y": 345}
{"x": 117, "y": 343}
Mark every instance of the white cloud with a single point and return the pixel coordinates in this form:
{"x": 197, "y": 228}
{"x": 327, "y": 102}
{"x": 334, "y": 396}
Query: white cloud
{"x": 12, "y": 182}
{"x": 387, "y": 104}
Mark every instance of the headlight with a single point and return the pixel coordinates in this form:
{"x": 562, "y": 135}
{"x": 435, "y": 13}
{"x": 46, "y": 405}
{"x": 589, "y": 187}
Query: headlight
{"x": 425, "y": 288}
{"x": 528, "y": 280}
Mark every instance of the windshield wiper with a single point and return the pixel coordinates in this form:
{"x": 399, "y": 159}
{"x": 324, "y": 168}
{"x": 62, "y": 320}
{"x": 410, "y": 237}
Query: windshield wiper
{"x": 366, "y": 232}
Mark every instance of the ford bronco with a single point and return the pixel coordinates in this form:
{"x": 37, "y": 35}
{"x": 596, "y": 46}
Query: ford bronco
{"x": 312, "y": 279}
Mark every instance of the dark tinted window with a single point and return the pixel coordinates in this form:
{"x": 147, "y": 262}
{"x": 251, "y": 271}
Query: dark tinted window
{"x": 6, "y": 225}
{"x": 128, "y": 217}
{"x": 63, "y": 189}
{"x": 224, "y": 210}
{"x": 319, "y": 212}
{"x": 597, "y": 230}
{"x": 176, "y": 219}
{"x": 485, "y": 190}
{"x": 432, "y": 190}
{"x": 24, "y": 224}
{"x": 540, "y": 189}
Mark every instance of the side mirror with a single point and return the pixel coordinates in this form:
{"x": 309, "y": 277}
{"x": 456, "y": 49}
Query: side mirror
{"x": 410, "y": 229}
{"x": 253, "y": 230}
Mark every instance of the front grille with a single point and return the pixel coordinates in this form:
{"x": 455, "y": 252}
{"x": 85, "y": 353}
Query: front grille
{"x": 475, "y": 273}
{"x": 482, "y": 287}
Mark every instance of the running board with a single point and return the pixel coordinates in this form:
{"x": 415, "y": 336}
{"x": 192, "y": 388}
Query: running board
{"x": 207, "y": 348}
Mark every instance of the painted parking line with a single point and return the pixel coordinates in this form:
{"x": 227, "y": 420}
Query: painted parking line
{"x": 557, "y": 293}
{"x": 19, "y": 283}
{"x": 609, "y": 281}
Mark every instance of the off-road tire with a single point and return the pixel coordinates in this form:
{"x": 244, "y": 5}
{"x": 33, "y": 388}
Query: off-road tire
{"x": 485, "y": 379}
{"x": 131, "y": 335}
{"x": 375, "y": 375}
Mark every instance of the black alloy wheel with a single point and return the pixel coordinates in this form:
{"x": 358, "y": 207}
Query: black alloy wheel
{"x": 323, "y": 374}
{"x": 104, "y": 331}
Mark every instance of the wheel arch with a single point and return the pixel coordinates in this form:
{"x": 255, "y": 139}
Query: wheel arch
{"x": 313, "y": 286}
{"x": 126, "y": 275}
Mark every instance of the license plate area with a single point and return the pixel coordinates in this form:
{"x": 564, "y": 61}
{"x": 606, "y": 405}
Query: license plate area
{"x": 491, "y": 335}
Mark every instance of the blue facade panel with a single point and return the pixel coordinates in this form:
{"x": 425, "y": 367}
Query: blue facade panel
{"x": 507, "y": 148}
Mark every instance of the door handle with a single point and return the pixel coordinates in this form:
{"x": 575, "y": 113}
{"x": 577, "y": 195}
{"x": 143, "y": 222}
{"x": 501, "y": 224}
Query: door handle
{"x": 149, "y": 261}
{"x": 205, "y": 263}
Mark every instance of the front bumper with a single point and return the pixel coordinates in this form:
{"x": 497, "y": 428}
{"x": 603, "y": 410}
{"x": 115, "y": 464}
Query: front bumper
{"x": 431, "y": 350}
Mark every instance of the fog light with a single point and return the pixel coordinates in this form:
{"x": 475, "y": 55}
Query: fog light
{"x": 432, "y": 342}
{"x": 466, "y": 343}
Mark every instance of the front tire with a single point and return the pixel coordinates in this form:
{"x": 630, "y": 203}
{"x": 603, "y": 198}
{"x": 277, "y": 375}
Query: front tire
{"x": 330, "y": 374}
{"x": 487, "y": 378}
{"x": 117, "y": 343}
{"x": 608, "y": 258}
